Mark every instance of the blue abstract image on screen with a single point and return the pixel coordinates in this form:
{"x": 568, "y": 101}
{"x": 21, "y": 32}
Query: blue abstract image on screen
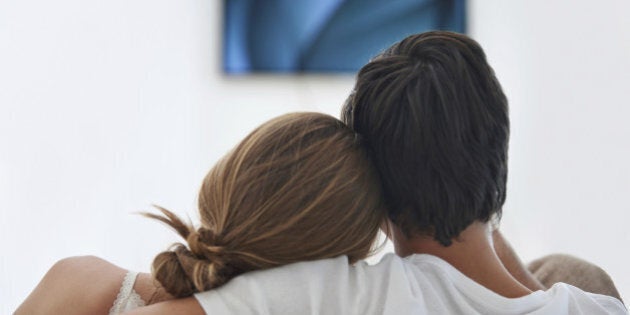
{"x": 325, "y": 35}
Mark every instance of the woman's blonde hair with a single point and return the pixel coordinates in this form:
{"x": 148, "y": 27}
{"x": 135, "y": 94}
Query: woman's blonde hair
{"x": 300, "y": 187}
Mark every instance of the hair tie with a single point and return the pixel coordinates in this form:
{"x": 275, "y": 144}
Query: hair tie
{"x": 202, "y": 244}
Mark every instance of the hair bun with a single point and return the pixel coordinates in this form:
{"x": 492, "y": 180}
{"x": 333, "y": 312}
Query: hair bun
{"x": 171, "y": 274}
{"x": 183, "y": 271}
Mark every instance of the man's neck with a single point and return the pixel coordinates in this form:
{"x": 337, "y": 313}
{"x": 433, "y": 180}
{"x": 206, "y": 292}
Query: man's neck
{"x": 472, "y": 253}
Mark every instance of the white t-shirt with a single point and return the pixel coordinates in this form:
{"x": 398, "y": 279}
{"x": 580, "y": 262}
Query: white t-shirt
{"x": 418, "y": 284}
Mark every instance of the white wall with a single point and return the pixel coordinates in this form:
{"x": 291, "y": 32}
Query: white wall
{"x": 109, "y": 106}
{"x": 565, "y": 67}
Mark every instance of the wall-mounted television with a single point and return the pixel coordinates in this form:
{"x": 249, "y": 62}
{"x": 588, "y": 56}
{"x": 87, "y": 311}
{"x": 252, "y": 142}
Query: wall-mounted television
{"x": 324, "y": 36}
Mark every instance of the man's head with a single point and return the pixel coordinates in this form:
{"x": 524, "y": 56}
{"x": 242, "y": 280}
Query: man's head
{"x": 435, "y": 121}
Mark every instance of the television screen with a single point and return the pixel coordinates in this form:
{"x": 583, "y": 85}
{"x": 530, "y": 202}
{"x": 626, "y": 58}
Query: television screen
{"x": 289, "y": 36}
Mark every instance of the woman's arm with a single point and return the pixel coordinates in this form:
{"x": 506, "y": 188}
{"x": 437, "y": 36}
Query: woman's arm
{"x": 513, "y": 264}
{"x": 185, "y": 306}
{"x": 84, "y": 285}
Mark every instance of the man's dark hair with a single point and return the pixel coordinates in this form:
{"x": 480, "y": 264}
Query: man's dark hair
{"x": 435, "y": 121}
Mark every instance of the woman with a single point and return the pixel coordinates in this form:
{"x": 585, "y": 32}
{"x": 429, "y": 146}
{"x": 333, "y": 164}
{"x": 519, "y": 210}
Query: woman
{"x": 300, "y": 187}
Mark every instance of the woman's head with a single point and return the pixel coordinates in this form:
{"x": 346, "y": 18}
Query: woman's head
{"x": 300, "y": 187}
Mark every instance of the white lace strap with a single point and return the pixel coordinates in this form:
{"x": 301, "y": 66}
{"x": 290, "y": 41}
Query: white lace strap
{"x": 127, "y": 298}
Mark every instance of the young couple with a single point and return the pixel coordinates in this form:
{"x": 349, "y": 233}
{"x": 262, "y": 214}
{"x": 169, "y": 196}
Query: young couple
{"x": 421, "y": 154}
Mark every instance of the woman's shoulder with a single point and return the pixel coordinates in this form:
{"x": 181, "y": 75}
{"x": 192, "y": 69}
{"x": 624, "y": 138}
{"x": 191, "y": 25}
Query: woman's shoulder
{"x": 75, "y": 285}
{"x": 83, "y": 266}
{"x": 88, "y": 277}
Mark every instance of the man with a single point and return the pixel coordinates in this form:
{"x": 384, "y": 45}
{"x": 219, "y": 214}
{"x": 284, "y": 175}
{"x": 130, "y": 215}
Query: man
{"x": 435, "y": 121}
